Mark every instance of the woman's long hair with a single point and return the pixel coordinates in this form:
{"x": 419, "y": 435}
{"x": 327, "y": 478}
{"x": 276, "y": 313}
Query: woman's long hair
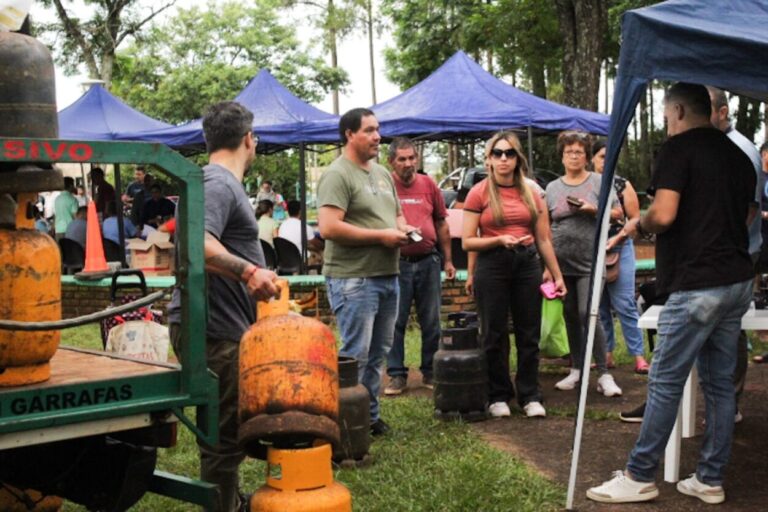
{"x": 520, "y": 173}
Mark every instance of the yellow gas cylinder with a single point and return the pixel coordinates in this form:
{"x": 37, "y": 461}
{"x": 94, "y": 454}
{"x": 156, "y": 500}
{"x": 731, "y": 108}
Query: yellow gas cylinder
{"x": 301, "y": 481}
{"x": 30, "y": 291}
{"x": 289, "y": 391}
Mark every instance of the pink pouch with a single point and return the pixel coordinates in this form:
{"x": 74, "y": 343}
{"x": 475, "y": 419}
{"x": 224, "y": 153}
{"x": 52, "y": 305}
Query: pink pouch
{"x": 548, "y": 290}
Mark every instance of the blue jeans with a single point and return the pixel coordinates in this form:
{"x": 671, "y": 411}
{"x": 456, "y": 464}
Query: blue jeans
{"x": 619, "y": 296}
{"x": 365, "y": 309}
{"x": 420, "y": 282}
{"x": 700, "y": 326}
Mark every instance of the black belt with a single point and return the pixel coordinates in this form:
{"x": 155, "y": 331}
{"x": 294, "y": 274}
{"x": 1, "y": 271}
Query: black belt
{"x": 416, "y": 258}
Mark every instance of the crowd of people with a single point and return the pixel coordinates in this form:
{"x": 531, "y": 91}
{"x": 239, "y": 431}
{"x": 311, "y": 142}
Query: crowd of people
{"x": 63, "y": 214}
{"x": 384, "y": 239}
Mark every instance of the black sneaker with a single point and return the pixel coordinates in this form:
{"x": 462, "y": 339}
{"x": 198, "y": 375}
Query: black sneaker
{"x": 379, "y": 428}
{"x": 633, "y": 416}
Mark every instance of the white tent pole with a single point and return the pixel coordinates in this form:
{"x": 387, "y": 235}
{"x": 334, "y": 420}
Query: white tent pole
{"x": 597, "y": 291}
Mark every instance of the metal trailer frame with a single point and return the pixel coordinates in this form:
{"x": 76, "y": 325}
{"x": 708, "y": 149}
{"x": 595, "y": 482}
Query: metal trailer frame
{"x": 155, "y": 395}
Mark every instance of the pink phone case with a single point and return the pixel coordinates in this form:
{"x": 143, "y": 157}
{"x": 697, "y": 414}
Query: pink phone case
{"x": 549, "y": 291}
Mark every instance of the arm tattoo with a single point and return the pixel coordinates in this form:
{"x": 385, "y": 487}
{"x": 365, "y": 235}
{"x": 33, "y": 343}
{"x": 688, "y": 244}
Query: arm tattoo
{"x": 228, "y": 263}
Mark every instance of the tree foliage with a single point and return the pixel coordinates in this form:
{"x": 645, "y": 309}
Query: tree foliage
{"x": 204, "y": 55}
{"x": 93, "y": 41}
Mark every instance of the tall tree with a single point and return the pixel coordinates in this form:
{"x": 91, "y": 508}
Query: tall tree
{"x": 94, "y": 41}
{"x": 201, "y": 56}
{"x": 336, "y": 19}
{"x": 583, "y": 24}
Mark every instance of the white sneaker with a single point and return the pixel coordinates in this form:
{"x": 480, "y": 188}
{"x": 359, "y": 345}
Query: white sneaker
{"x": 738, "y": 418}
{"x": 499, "y": 410}
{"x": 707, "y": 493}
{"x": 607, "y": 386}
{"x": 534, "y": 410}
{"x": 622, "y": 489}
{"x": 570, "y": 381}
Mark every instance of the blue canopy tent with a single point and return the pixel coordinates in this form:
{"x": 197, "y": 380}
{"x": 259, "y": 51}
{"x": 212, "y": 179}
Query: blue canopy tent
{"x": 461, "y": 98}
{"x": 280, "y": 120}
{"x": 98, "y": 115}
{"x": 724, "y": 44}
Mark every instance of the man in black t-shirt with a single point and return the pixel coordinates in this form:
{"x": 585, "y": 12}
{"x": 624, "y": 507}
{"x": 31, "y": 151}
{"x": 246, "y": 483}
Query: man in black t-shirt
{"x": 703, "y": 202}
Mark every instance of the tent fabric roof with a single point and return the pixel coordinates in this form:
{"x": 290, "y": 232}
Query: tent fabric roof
{"x": 98, "y": 115}
{"x": 715, "y": 43}
{"x": 280, "y": 118}
{"x": 461, "y": 97}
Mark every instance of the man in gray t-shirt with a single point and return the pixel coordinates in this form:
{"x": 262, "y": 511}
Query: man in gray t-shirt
{"x": 236, "y": 276}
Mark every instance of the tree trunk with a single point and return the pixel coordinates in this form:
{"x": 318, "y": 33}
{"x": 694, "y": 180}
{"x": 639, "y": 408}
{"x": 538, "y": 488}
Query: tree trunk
{"x": 582, "y": 25}
{"x": 334, "y": 54}
{"x": 538, "y": 79}
{"x": 748, "y": 117}
{"x": 370, "y": 51}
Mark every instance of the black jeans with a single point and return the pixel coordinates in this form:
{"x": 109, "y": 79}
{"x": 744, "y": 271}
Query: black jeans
{"x": 507, "y": 281}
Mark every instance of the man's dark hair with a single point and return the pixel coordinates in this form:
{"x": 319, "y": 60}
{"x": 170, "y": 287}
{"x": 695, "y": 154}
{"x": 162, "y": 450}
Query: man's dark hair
{"x": 225, "y": 124}
{"x": 399, "y": 143}
{"x": 69, "y": 183}
{"x": 693, "y": 96}
{"x": 97, "y": 171}
{"x": 109, "y": 209}
{"x": 764, "y": 147}
{"x": 156, "y": 186}
{"x": 352, "y": 120}
{"x": 294, "y": 208}
{"x": 82, "y": 211}
{"x": 267, "y": 182}
{"x": 141, "y": 168}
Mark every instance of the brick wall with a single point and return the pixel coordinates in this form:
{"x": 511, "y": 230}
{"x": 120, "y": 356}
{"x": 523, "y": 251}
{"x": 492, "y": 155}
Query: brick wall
{"x": 78, "y": 300}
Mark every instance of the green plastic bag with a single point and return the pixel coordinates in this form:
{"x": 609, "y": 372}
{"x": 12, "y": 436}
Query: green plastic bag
{"x": 554, "y": 337}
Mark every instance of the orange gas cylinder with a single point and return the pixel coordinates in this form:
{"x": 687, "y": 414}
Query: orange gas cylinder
{"x": 301, "y": 481}
{"x": 30, "y": 291}
{"x": 19, "y": 500}
{"x": 289, "y": 391}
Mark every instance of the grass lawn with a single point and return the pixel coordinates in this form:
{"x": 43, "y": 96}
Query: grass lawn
{"x": 423, "y": 465}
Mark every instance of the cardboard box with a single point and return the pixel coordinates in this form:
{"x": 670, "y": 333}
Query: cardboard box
{"x": 154, "y": 256}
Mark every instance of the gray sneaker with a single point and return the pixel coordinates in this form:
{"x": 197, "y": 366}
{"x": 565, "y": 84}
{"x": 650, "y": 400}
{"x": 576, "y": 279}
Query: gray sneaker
{"x": 396, "y": 386}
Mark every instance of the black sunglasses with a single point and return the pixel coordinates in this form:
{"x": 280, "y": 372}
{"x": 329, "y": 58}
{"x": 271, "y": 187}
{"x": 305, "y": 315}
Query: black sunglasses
{"x": 509, "y": 153}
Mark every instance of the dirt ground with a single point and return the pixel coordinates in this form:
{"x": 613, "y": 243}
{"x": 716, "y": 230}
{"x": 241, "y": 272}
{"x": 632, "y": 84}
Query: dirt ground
{"x": 546, "y": 444}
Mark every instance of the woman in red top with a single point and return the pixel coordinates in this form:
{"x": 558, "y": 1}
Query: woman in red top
{"x": 507, "y": 224}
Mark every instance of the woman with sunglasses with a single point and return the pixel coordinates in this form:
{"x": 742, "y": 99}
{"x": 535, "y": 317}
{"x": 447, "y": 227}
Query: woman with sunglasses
{"x": 572, "y": 203}
{"x": 619, "y": 296}
{"x": 505, "y": 223}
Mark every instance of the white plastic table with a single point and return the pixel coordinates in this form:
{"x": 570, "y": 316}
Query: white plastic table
{"x": 685, "y": 426}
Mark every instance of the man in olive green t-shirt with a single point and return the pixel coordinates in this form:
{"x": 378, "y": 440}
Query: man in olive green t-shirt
{"x": 363, "y": 226}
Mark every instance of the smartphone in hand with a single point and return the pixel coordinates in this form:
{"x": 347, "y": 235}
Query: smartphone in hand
{"x": 414, "y": 236}
{"x": 574, "y": 201}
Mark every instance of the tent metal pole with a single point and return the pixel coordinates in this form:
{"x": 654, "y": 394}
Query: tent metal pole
{"x": 597, "y": 292}
{"x": 119, "y": 213}
{"x": 303, "y": 201}
{"x": 530, "y": 151}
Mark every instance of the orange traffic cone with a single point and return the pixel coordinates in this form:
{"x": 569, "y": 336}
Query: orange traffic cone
{"x": 95, "y": 263}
